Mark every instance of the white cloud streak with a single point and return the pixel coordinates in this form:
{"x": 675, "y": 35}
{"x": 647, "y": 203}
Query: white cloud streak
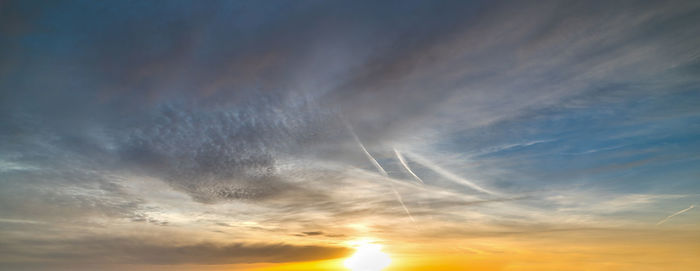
{"x": 369, "y": 156}
{"x": 381, "y": 171}
{"x": 447, "y": 174}
{"x": 675, "y": 214}
{"x": 405, "y": 166}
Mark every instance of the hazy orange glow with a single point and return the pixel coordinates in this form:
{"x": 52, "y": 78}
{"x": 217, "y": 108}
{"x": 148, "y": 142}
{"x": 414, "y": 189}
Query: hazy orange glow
{"x": 336, "y": 264}
{"x": 600, "y": 250}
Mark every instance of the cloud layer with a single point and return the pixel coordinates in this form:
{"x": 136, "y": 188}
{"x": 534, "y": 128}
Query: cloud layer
{"x": 307, "y": 124}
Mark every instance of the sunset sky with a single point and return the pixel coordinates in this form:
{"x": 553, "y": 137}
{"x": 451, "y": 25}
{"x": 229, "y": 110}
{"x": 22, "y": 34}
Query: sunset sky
{"x": 291, "y": 135}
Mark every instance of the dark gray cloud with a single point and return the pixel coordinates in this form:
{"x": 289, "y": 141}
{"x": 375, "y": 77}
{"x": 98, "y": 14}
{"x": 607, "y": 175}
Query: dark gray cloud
{"x": 132, "y": 251}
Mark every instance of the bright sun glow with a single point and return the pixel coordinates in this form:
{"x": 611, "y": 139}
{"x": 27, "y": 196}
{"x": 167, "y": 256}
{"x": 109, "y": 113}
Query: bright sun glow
{"x": 368, "y": 257}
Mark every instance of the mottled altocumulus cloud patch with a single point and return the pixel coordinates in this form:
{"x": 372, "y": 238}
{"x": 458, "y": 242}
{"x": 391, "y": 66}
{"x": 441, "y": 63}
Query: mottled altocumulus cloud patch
{"x": 222, "y": 154}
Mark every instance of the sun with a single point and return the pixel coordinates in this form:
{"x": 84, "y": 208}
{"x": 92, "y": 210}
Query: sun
{"x": 368, "y": 257}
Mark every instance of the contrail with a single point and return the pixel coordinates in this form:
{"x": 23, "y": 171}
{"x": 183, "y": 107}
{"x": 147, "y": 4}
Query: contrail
{"x": 675, "y": 214}
{"x": 369, "y": 156}
{"x": 405, "y": 165}
{"x": 447, "y": 174}
{"x": 400, "y": 199}
{"x": 425, "y": 188}
{"x": 380, "y": 169}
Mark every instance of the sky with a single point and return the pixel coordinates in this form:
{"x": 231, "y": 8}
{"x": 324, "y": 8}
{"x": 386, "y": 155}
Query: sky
{"x": 277, "y": 135}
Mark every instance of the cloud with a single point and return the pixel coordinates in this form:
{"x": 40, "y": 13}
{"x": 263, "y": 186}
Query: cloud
{"x": 675, "y": 214}
{"x": 219, "y": 154}
{"x": 233, "y": 117}
{"x": 134, "y": 251}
